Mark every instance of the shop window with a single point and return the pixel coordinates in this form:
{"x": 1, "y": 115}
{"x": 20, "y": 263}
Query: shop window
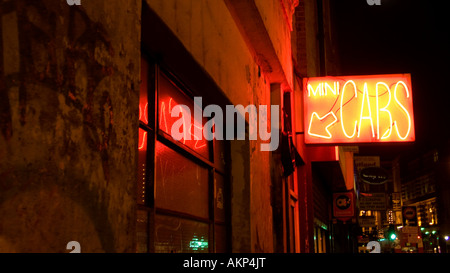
{"x": 169, "y": 96}
{"x": 182, "y": 184}
{"x": 180, "y": 235}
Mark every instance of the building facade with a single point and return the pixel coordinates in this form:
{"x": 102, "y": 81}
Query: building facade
{"x": 87, "y": 151}
{"x": 423, "y": 176}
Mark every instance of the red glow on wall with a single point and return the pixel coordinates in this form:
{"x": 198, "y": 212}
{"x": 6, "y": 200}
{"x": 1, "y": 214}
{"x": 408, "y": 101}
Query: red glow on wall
{"x": 358, "y": 109}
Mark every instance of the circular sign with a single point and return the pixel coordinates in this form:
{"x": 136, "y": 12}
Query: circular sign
{"x": 409, "y": 213}
{"x": 374, "y": 175}
{"x": 343, "y": 202}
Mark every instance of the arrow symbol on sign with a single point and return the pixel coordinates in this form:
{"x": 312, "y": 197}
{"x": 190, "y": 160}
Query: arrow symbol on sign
{"x": 322, "y": 129}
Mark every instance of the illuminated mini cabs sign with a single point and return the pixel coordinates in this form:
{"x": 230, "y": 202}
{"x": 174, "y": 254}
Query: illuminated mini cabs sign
{"x": 358, "y": 109}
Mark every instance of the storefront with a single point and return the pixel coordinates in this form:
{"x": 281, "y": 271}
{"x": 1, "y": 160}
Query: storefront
{"x": 183, "y": 195}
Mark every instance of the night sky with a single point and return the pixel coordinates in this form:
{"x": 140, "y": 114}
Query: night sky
{"x": 401, "y": 36}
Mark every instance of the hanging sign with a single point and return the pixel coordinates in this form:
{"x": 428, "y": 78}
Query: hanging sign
{"x": 372, "y": 201}
{"x": 343, "y": 205}
{"x": 409, "y": 215}
{"x": 374, "y": 175}
{"x": 358, "y": 109}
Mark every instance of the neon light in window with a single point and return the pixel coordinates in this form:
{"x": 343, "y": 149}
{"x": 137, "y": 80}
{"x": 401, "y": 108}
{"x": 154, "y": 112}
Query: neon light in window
{"x": 198, "y": 244}
{"x": 189, "y": 133}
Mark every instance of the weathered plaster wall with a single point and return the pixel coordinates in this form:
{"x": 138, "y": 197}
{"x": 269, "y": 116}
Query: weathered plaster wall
{"x": 209, "y": 33}
{"x": 275, "y": 15}
{"x": 214, "y": 38}
{"x": 69, "y": 82}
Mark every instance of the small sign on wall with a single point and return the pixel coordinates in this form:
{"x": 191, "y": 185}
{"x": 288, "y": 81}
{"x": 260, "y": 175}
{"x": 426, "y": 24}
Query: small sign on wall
{"x": 343, "y": 205}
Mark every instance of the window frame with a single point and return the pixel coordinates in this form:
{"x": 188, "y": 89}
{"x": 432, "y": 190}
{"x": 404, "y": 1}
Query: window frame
{"x": 152, "y": 71}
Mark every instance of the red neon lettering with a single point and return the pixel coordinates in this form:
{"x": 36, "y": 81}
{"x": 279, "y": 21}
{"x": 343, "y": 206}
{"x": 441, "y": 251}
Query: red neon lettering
{"x": 166, "y": 121}
{"x": 142, "y": 140}
{"x": 143, "y": 113}
{"x": 142, "y": 143}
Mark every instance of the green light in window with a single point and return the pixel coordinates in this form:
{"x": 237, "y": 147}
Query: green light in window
{"x": 196, "y": 244}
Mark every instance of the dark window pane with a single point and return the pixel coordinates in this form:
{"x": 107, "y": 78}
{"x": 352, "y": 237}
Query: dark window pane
{"x": 142, "y": 231}
{"x": 142, "y": 166}
{"x": 219, "y": 154}
{"x": 176, "y": 235}
{"x": 181, "y": 184}
{"x": 169, "y": 97}
{"x": 221, "y": 238}
{"x": 219, "y": 197}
